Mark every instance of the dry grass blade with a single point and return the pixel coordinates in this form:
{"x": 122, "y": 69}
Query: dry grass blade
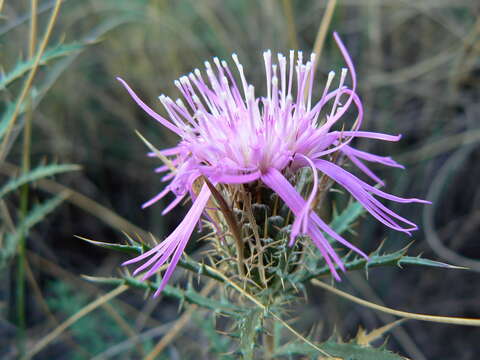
{"x": 74, "y": 318}
{"x": 321, "y": 35}
{"x": 292, "y": 32}
{"x": 153, "y": 149}
{"x": 403, "y": 314}
{"x": 179, "y": 325}
{"x": 399, "y": 333}
{"x": 322, "y": 31}
{"x": 51, "y": 317}
{"x": 52, "y": 269}
{"x": 28, "y": 82}
{"x": 83, "y": 202}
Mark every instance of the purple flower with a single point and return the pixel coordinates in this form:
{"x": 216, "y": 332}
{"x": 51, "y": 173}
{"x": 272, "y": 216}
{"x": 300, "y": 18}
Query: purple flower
{"x": 230, "y": 136}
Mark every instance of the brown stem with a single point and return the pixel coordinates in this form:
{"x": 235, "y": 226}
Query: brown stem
{"x": 232, "y": 224}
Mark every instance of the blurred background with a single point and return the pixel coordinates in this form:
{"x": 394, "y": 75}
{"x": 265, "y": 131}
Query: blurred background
{"x": 418, "y": 65}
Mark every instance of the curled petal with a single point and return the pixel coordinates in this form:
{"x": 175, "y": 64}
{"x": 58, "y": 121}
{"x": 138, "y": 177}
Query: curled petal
{"x": 148, "y": 110}
{"x": 363, "y": 193}
{"x": 355, "y": 155}
{"x": 367, "y": 134}
{"x": 301, "y": 221}
{"x": 174, "y": 244}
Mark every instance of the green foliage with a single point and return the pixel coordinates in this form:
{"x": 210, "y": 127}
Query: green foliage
{"x": 344, "y": 351}
{"x": 190, "y": 295}
{"x": 375, "y": 259}
{"x": 219, "y": 345}
{"x": 39, "y": 172}
{"x": 342, "y": 222}
{"x": 95, "y": 331}
{"x": 66, "y": 53}
{"x": 5, "y": 118}
{"x": 136, "y": 249}
{"x": 22, "y": 67}
{"x": 312, "y": 268}
{"x": 250, "y": 321}
{"x": 38, "y": 213}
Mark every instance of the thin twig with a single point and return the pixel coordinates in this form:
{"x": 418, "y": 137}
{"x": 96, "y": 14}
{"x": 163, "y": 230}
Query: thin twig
{"x": 322, "y": 32}
{"x": 24, "y": 191}
{"x": 320, "y": 39}
{"x": 73, "y": 319}
{"x": 404, "y": 314}
{"x": 232, "y": 223}
{"x": 28, "y": 82}
{"x": 55, "y": 270}
{"x": 399, "y": 333}
{"x": 43, "y": 304}
{"x": 291, "y": 29}
{"x": 127, "y": 344}
{"x": 179, "y": 325}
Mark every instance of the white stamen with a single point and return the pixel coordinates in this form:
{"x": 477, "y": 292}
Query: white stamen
{"x": 331, "y": 75}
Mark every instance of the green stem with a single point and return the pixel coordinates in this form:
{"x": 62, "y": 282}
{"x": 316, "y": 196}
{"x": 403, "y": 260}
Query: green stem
{"x": 269, "y": 338}
{"x": 190, "y": 295}
{"x": 24, "y": 192}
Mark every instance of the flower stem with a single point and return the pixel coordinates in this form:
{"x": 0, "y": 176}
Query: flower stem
{"x": 232, "y": 224}
{"x": 269, "y": 338}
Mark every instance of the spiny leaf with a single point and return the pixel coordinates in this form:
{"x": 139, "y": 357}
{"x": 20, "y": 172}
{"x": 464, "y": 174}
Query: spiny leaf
{"x": 375, "y": 260}
{"x": 7, "y": 114}
{"x": 418, "y": 260}
{"x": 342, "y": 222}
{"x": 33, "y": 217}
{"x": 189, "y": 295}
{"x": 138, "y": 249}
{"x": 23, "y": 67}
{"x": 129, "y": 249}
{"x": 365, "y": 338}
{"x": 344, "y": 351}
{"x": 35, "y": 174}
{"x": 39, "y": 212}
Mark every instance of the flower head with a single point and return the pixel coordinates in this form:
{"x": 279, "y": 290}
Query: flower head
{"x": 230, "y": 136}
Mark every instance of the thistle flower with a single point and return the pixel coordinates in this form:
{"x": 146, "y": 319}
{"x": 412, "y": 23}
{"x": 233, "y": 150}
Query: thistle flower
{"x": 230, "y": 136}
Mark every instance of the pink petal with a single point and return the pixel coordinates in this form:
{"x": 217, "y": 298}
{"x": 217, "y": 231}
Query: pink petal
{"x": 149, "y": 111}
